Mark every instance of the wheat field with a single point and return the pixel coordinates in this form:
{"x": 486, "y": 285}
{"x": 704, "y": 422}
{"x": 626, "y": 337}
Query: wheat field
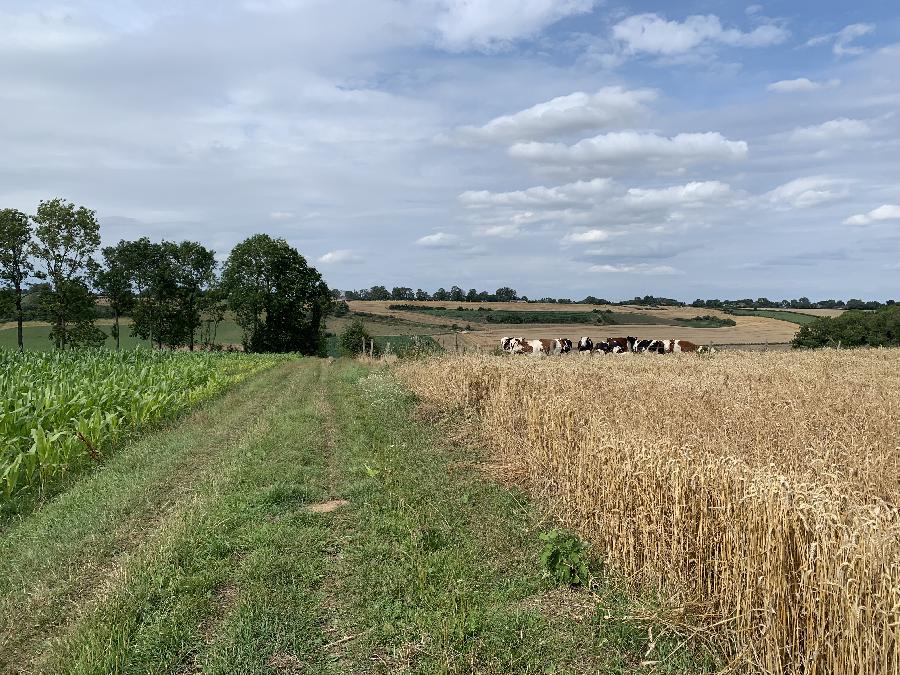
{"x": 758, "y": 490}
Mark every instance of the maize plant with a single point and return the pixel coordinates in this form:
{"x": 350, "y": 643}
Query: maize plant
{"x": 60, "y": 411}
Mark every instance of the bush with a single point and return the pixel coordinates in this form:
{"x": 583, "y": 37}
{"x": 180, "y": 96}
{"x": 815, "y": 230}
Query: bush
{"x": 340, "y": 308}
{"x": 563, "y": 558}
{"x": 853, "y": 328}
{"x": 352, "y": 339}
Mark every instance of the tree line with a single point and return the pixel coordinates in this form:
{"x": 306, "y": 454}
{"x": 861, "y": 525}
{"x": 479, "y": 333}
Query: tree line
{"x": 175, "y": 293}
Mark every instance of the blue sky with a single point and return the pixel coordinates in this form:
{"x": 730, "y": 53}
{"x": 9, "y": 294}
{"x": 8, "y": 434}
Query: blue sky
{"x": 566, "y": 147}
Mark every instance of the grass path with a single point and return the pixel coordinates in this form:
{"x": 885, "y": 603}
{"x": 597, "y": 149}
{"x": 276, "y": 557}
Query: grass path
{"x": 193, "y": 551}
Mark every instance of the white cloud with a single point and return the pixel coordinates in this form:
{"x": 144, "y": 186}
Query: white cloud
{"x": 653, "y": 34}
{"x": 281, "y": 215}
{"x": 340, "y": 256}
{"x": 504, "y": 231}
{"x": 492, "y": 25}
{"x": 439, "y": 240}
{"x": 575, "y": 112}
{"x": 884, "y": 212}
{"x": 50, "y": 29}
{"x": 808, "y": 191}
{"x": 801, "y": 84}
{"x": 832, "y": 130}
{"x": 629, "y": 147}
{"x": 638, "y": 268}
{"x": 842, "y": 41}
{"x": 587, "y": 236}
{"x": 691, "y": 194}
{"x": 579, "y": 192}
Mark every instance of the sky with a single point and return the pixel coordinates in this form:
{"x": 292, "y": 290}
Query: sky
{"x": 705, "y": 148}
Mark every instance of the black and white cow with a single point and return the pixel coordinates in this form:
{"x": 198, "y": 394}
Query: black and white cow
{"x": 585, "y": 346}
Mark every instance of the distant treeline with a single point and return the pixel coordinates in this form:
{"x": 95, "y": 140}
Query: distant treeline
{"x": 52, "y": 269}
{"x": 508, "y": 294}
{"x": 854, "y": 328}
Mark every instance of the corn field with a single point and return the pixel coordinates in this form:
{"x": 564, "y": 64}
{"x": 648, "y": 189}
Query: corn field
{"x": 60, "y": 411}
{"x": 757, "y": 490}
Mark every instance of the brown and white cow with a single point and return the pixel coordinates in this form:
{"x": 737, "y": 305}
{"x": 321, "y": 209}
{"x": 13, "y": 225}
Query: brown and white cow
{"x": 585, "y": 346}
{"x": 621, "y": 345}
{"x": 546, "y": 347}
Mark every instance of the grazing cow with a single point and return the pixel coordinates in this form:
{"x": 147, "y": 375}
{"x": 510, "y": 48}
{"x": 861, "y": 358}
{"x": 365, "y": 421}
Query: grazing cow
{"x": 585, "y": 345}
{"x": 652, "y": 346}
{"x": 677, "y": 346}
{"x": 620, "y": 345}
{"x": 506, "y": 344}
{"x": 602, "y": 346}
{"x": 564, "y": 345}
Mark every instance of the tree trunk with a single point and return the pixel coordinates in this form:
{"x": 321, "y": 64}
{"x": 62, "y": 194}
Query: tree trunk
{"x": 117, "y": 329}
{"x": 19, "y": 316}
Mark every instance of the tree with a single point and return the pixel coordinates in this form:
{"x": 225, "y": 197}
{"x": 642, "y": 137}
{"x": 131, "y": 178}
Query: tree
{"x": 113, "y": 281}
{"x": 422, "y": 295}
{"x": 278, "y": 299}
{"x": 506, "y": 294}
{"x": 456, "y": 294}
{"x": 472, "y": 295}
{"x": 853, "y": 328}
{"x": 353, "y": 337}
{"x": 402, "y": 293}
{"x": 66, "y": 239}
{"x": 440, "y": 294}
{"x": 15, "y": 266}
{"x": 195, "y": 267}
{"x": 378, "y": 293}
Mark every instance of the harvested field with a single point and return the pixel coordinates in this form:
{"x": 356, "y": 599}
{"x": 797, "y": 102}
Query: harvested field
{"x": 755, "y": 330}
{"x": 759, "y": 491}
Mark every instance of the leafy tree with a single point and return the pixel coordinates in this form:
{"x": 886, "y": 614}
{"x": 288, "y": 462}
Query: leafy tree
{"x": 472, "y": 295}
{"x": 278, "y": 299}
{"x": 15, "y": 265}
{"x": 352, "y": 338}
{"x": 440, "y": 295}
{"x": 66, "y": 240}
{"x": 378, "y": 293}
{"x": 340, "y": 309}
{"x": 422, "y": 295}
{"x": 456, "y": 294}
{"x": 853, "y": 328}
{"x": 195, "y": 267}
{"x": 402, "y": 293}
{"x": 506, "y": 294}
{"x": 113, "y": 281}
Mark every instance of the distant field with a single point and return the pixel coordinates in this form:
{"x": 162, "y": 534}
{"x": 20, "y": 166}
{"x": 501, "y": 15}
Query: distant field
{"x": 36, "y": 335}
{"x": 654, "y": 322}
{"x": 605, "y": 317}
{"x": 782, "y": 315}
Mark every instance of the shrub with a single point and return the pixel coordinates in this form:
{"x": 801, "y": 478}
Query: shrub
{"x": 854, "y": 328}
{"x": 563, "y": 558}
{"x": 352, "y": 338}
{"x": 340, "y": 308}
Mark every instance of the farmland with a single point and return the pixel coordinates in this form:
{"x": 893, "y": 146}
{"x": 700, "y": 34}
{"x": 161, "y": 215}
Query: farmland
{"x": 61, "y": 411}
{"x": 758, "y": 490}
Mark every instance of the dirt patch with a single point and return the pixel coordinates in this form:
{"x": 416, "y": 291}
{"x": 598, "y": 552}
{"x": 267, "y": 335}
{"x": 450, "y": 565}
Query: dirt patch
{"x": 327, "y": 507}
{"x": 284, "y": 662}
{"x": 564, "y": 602}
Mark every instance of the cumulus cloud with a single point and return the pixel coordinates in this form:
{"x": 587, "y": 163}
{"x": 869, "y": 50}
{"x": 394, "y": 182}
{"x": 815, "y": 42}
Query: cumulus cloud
{"x": 340, "y": 256}
{"x": 691, "y": 194}
{"x": 653, "y": 34}
{"x": 842, "y": 41}
{"x": 884, "y": 212}
{"x": 801, "y": 84}
{"x": 808, "y": 191}
{"x": 832, "y": 130}
{"x": 439, "y": 240}
{"x": 493, "y": 25}
{"x": 587, "y": 236}
{"x": 575, "y": 112}
{"x": 629, "y": 147}
{"x": 636, "y": 268}
{"x": 579, "y": 192}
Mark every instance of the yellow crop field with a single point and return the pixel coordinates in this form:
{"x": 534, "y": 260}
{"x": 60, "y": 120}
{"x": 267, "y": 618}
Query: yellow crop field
{"x": 757, "y": 490}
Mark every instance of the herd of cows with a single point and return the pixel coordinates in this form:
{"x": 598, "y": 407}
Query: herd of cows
{"x": 616, "y": 345}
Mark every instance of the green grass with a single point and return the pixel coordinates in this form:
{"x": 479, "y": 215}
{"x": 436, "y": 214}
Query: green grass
{"x": 401, "y": 345}
{"x": 37, "y": 337}
{"x": 783, "y": 315}
{"x": 192, "y": 551}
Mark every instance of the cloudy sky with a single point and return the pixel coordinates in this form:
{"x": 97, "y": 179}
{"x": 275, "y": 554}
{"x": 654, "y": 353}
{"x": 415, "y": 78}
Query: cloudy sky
{"x": 705, "y": 148}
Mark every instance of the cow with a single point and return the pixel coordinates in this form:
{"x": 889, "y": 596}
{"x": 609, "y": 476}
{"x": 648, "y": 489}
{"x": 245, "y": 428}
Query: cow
{"x": 506, "y": 344}
{"x": 620, "y": 345}
{"x": 678, "y": 346}
{"x": 585, "y": 346}
{"x": 602, "y": 346}
{"x": 545, "y": 347}
{"x": 564, "y": 345}
{"x": 652, "y": 346}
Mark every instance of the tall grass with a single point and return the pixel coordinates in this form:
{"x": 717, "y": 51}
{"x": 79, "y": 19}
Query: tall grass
{"x": 758, "y": 490}
{"x": 62, "y": 410}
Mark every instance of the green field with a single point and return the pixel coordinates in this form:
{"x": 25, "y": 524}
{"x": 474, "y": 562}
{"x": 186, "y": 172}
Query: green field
{"x": 596, "y": 317}
{"x": 37, "y": 336}
{"x": 783, "y": 315}
{"x": 194, "y": 549}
